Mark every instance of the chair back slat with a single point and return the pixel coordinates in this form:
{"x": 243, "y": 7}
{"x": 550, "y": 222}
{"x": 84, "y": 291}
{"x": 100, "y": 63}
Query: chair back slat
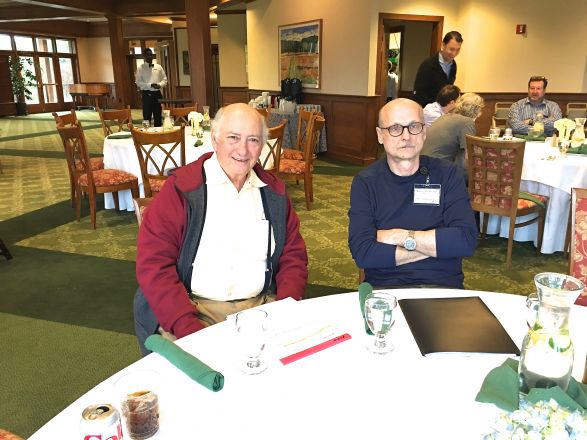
{"x": 118, "y": 119}
{"x": 180, "y": 114}
{"x": 65, "y": 119}
{"x": 158, "y": 152}
{"x": 76, "y": 152}
{"x": 270, "y": 160}
{"x": 304, "y": 119}
{"x": 312, "y": 139}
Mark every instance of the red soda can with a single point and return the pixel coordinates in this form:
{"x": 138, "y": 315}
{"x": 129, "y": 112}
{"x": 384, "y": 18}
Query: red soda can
{"x": 101, "y": 422}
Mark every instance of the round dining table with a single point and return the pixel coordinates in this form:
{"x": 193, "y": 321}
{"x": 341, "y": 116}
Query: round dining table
{"x": 547, "y": 172}
{"x": 341, "y": 392}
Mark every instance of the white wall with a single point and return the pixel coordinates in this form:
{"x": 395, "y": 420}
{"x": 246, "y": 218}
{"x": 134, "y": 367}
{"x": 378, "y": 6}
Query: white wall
{"x": 95, "y": 60}
{"x": 232, "y": 38}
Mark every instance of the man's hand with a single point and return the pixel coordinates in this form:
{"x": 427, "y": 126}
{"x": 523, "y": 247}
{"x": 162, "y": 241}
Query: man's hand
{"x": 425, "y": 240}
{"x": 155, "y": 86}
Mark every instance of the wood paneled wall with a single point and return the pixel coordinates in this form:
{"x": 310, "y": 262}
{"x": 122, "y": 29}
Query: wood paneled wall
{"x": 350, "y": 121}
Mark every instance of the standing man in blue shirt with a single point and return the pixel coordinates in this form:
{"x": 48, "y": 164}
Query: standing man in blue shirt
{"x": 526, "y": 111}
{"x": 151, "y": 78}
{"x": 438, "y": 70}
{"x": 410, "y": 218}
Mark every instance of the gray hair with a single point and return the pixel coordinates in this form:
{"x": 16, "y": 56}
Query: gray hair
{"x": 218, "y": 120}
{"x": 470, "y": 105}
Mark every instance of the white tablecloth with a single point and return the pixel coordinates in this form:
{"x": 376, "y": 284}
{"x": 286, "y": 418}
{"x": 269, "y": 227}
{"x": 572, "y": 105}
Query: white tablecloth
{"x": 121, "y": 154}
{"x": 553, "y": 178}
{"x": 343, "y": 392}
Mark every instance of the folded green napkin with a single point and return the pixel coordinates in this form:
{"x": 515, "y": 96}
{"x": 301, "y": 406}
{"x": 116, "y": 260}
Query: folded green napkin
{"x": 364, "y": 290}
{"x": 190, "y": 365}
{"x": 121, "y": 135}
{"x": 501, "y": 387}
{"x": 540, "y": 138}
{"x": 578, "y": 150}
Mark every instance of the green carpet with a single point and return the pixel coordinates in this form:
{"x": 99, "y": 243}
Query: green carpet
{"x": 65, "y": 298}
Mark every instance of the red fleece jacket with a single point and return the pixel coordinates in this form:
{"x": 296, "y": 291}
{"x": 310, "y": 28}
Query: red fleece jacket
{"x": 161, "y": 238}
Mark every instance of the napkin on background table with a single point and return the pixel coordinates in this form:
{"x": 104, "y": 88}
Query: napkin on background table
{"x": 121, "y": 135}
{"x": 501, "y": 386}
{"x": 190, "y": 365}
{"x": 578, "y": 150}
{"x": 540, "y": 138}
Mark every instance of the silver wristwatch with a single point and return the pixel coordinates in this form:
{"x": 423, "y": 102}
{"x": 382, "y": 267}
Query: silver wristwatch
{"x": 410, "y": 241}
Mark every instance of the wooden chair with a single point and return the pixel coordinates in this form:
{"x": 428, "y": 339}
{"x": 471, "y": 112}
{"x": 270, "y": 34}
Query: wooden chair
{"x": 115, "y": 118}
{"x": 500, "y": 115}
{"x": 180, "y": 114}
{"x": 90, "y": 181}
{"x": 304, "y": 122}
{"x": 158, "y": 152}
{"x": 576, "y": 110}
{"x": 96, "y": 163}
{"x": 265, "y": 113}
{"x": 4, "y": 251}
{"x": 495, "y": 173}
{"x": 578, "y": 253}
{"x": 271, "y": 153}
{"x": 141, "y": 205}
{"x": 293, "y": 169}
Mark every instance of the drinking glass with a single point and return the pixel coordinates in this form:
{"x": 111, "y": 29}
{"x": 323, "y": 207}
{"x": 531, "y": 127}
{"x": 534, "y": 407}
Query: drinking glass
{"x": 251, "y": 326}
{"x": 494, "y": 133}
{"x": 379, "y": 307}
{"x": 138, "y": 402}
{"x": 146, "y": 124}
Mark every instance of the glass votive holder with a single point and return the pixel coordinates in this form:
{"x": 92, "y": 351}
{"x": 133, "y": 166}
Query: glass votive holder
{"x": 494, "y": 133}
{"x": 138, "y": 402}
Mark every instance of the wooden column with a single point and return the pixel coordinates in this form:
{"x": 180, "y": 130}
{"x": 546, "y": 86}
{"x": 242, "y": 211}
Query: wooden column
{"x": 199, "y": 47}
{"x": 122, "y": 82}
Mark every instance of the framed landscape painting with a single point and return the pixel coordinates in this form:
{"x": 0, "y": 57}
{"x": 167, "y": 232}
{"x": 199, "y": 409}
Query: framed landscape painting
{"x": 299, "y": 52}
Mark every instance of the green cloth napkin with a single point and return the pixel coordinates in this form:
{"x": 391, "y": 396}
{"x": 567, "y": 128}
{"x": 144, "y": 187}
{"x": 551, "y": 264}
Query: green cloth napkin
{"x": 120, "y": 136}
{"x": 540, "y": 138}
{"x": 578, "y": 150}
{"x": 190, "y": 365}
{"x": 364, "y": 290}
{"x": 527, "y": 196}
{"x": 501, "y": 388}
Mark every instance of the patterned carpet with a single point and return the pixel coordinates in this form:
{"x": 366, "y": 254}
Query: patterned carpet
{"x": 65, "y": 299}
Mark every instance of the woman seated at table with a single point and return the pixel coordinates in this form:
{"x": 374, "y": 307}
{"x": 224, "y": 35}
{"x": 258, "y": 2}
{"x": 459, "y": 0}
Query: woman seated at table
{"x": 446, "y": 138}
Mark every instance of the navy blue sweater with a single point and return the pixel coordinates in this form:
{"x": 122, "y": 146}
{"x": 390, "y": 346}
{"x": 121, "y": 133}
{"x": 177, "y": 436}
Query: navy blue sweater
{"x": 382, "y": 200}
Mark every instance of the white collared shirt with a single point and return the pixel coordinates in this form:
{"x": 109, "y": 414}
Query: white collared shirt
{"x": 232, "y": 256}
{"x": 147, "y": 75}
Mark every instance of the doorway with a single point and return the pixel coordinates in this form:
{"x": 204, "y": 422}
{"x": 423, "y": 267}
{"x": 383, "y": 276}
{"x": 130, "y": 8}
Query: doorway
{"x": 419, "y": 36}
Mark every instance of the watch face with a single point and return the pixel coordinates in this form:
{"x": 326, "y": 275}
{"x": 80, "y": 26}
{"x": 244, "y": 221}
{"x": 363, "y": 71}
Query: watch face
{"x": 410, "y": 244}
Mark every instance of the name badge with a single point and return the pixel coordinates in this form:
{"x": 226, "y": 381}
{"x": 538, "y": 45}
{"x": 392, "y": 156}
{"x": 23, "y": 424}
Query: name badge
{"x": 427, "y": 194}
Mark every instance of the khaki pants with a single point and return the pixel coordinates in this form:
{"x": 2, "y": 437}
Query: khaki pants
{"x": 210, "y": 311}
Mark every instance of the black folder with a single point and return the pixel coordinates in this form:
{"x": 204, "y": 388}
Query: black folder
{"x": 461, "y": 325}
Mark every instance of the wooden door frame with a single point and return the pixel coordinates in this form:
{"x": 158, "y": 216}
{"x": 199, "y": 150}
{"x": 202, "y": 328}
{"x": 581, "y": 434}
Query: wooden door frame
{"x": 381, "y": 67}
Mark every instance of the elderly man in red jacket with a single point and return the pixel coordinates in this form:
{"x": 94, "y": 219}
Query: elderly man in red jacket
{"x": 220, "y": 237}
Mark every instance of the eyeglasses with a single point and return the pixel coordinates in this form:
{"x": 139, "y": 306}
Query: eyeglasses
{"x": 396, "y": 130}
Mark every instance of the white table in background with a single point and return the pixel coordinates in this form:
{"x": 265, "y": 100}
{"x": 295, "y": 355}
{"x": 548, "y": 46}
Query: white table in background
{"x": 553, "y": 178}
{"x": 121, "y": 155}
{"x": 343, "y": 392}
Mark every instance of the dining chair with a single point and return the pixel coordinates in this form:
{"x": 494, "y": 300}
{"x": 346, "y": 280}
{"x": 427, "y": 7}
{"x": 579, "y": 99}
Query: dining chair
{"x": 90, "y": 181}
{"x": 500, "y": 115}
{"x": 270, "y": 155}
{"x": 158, "y": 153}
{"x": 495, "y": 172}
{"x": 96, "y": 163}
{"x": 265, "y": 113}
{"x": 576, "y": 110}
{"x": 115, "y": 118}
{"x": 295, "y": 169}
{"x": 141, "y": 205}
{"x": 4, "y": 251}
{"x": 305, "y": 118}
{"x": 180, "y": 114}
{"x": 578, "y": 253}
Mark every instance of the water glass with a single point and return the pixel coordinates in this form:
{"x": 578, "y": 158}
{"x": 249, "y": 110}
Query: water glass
{"x": 494, "y": 133}
{"x": 251, "y": 327}
{"x": 508, "y": 136}
{"x": 146, "y": 124}
{"x": 379, "y": 313}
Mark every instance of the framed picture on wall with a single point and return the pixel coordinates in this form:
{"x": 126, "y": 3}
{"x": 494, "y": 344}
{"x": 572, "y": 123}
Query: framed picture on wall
{"x": 186, "y": 62}
{"x": 300, "y": 51}
{"x": 182, "y": 57}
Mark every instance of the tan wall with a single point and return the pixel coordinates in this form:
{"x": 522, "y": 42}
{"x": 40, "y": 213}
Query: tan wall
{"x": 232, "y": 40}
{"x": 345, "y": 45}
{"x": 95, "y": 60}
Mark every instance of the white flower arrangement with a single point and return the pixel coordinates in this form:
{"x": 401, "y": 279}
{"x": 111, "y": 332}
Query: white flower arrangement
{"x": 540, "y": 421}
{"x": 195, "y": 116}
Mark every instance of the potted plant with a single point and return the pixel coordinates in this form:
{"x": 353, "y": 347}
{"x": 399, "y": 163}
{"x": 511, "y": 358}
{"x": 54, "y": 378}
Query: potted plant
{"x": 21, "y": 79}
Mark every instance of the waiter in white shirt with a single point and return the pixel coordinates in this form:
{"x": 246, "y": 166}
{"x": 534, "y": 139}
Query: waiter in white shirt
{"x": 150, "y": 79}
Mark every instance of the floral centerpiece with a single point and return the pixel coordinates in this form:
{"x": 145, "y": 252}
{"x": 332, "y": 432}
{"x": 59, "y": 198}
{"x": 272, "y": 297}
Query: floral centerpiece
{"x": 195, "y": 119}
{"x": 540, "y": 421}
